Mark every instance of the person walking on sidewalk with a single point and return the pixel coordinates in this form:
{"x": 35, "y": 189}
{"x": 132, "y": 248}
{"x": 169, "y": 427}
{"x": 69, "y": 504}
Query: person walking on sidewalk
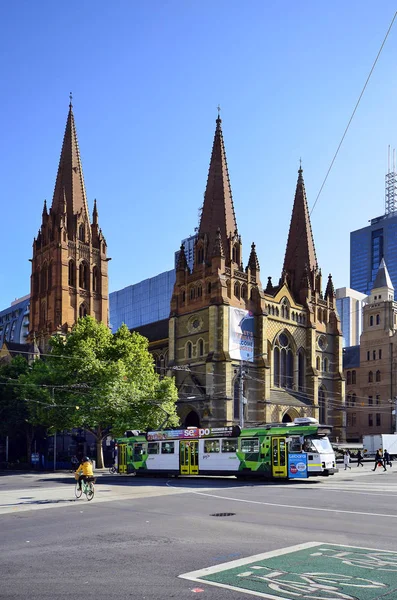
{"x": 346, "y": 460}
{"x": 379, "y": 460}
{"x": 360, "y": 459}
{"x": 386, "y": 459}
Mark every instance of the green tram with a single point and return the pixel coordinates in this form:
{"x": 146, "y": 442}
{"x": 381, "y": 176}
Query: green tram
{"x": 274, "y": 451}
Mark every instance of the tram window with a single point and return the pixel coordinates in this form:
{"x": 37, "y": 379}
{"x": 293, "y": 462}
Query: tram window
{"x": 211, "y": 446}
{"x": 152, "y": 448}
{"x": 229, "y": 445}
{"x": 250, "y": 445}
{"x": 139, "y": 449}
{"x": 295, "y": 444}
{"x": 167, "y": 448}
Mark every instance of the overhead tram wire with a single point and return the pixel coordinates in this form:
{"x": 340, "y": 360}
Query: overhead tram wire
{"x": 354, "y": 110}
{"x": 349, "y": 122}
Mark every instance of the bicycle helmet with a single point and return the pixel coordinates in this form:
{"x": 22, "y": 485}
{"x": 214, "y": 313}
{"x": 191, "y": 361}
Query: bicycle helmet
{"x": 86, "y": 459}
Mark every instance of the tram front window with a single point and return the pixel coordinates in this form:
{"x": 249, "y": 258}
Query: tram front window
{"x": 322, "y": 445}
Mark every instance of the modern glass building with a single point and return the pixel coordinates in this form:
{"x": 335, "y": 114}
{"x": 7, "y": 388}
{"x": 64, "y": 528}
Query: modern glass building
{"x": 188, "y": 243}
{"x": 349, "y": 305}
{"x": 367, "y": 248}
{"x": 145, "y": 302}
{"x": 14, "y": 321}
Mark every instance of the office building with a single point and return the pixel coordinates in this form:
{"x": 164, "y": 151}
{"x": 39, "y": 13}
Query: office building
{"x": 349, "y": 305}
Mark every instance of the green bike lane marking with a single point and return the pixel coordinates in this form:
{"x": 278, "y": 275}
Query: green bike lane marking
{"x": 310, "y": 571}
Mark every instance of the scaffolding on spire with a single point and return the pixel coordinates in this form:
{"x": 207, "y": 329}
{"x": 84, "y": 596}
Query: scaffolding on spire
{"x": 391, "y": 184}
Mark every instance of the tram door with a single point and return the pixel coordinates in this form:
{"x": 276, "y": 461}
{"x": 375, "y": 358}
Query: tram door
{"x": 279, "y": 457}
{"x": 188, "y": 457}
{"x": 122, "y": 458}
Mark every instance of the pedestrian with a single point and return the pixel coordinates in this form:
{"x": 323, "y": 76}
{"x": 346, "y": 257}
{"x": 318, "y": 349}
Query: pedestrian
{"x": 360, "y": 459}
{"x": 387, "y": 459}
{"x": 346, "y": 460}
{"x": 379, "y": 460}
{"x": 74, "y": 462}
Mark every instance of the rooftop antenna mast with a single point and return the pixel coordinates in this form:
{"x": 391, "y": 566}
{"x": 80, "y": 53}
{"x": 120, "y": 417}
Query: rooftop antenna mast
{"x": 391, "y": 184}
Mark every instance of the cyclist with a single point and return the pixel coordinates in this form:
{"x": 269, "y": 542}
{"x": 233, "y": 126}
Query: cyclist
{"x": 85, "y": 468}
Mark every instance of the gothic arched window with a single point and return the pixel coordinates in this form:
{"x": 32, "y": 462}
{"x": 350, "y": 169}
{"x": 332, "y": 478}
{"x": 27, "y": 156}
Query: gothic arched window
{"x": 370, "y": 377}
{"x": 95, "y": 279}
{"x": 243, "y": 291}
{"x": 83, "y": 311}
{"x": 354, "y": 377}
{"x": 84, "y": 276}
{"x": 72, "y": 273}
{"x": 189, "y": 350}
{"x": 237, "y": 290}
{"x": 201, "y": 347}
{"x": 81, "y": 233}
{"x": 377, "y": 376}
{"x": 349, "y": 378}
{"x": 283, "y": 359}
{"x": 377, "y": 319}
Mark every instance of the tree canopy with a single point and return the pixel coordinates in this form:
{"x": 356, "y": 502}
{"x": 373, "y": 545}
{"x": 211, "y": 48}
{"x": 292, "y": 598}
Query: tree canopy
{"x": 100, "y": 382}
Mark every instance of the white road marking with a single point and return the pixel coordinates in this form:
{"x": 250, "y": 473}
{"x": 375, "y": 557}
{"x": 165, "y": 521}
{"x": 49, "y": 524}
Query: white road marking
{"x": 294, "y": 506}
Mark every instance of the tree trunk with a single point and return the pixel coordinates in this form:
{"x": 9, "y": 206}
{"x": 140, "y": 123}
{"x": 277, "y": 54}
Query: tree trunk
{"x": 99, "y": 449}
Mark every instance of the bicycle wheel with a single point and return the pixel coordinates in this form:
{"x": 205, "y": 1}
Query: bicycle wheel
{"x": 77, "y": 491}
{"x": 90, "y": 491}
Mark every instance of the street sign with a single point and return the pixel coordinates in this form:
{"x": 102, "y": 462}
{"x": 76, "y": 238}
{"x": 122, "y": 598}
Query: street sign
{"x": 35, "y": 458}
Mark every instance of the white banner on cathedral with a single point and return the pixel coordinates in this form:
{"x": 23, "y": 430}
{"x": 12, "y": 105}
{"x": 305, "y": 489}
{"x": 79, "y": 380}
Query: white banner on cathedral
{"x": 241, "y": 334}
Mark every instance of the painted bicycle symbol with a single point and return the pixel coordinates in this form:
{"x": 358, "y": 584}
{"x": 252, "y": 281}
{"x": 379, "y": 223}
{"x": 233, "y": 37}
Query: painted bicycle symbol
{"x": 370, "y": 559}
{"x": 312, "y": 586}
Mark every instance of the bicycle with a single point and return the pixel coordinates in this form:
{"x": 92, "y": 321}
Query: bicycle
{"x": 87, "y": 488}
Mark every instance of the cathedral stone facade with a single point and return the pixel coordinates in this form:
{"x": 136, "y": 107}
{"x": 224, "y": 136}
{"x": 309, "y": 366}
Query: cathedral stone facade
{"x": 244, "y": 353}
{"x": 69, "y": 265}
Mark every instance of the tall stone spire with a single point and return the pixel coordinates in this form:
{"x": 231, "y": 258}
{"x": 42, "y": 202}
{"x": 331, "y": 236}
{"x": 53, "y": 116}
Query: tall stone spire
{"x": 300, "y": 253}
{"x": 69, "y": 183}
{"x": 218, "y": 209}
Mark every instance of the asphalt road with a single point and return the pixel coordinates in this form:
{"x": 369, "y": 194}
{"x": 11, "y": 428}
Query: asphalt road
{"x": 138, "y": 536}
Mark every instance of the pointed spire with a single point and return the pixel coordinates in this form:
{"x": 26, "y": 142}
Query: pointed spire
{"x": 95, "y": 214}
{"x": 253, "y": 261}
{"x": 218, "y": 210}
{"x": 218, "y": 246}
{"x": 330, "y": 290}
{"x": 300, "y": 251}
{"x": 69, "y": 183}
{"x": 382, "y": 279}
{"x": 45, "y": 212}
{"x": 269, "y": 287}
{"x": 182, "y": 265}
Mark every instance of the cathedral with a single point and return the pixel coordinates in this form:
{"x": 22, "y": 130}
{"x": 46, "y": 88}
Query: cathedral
{"x": 241, "y": 352}
{"x": 244, "y": 353}
{"x": 69, "y": 265}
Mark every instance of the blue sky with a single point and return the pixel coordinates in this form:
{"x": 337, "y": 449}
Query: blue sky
{"x": 146, "y": 79}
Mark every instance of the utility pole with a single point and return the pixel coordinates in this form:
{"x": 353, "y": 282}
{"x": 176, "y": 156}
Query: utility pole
{"x": 241, "y": 393}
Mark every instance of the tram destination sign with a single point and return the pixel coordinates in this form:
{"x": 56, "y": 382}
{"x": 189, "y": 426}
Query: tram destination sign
{"x": 193, "y": 433}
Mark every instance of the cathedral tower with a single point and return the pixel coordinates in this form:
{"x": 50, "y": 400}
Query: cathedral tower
{"x": 209, "y": 304}
{"x": 69, "y": 265}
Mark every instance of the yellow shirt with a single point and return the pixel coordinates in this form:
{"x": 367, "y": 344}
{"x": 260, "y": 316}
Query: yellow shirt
{"x": 85, "y": 468}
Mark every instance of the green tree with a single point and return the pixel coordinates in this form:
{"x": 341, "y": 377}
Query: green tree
{"x": 100, "y": 382}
